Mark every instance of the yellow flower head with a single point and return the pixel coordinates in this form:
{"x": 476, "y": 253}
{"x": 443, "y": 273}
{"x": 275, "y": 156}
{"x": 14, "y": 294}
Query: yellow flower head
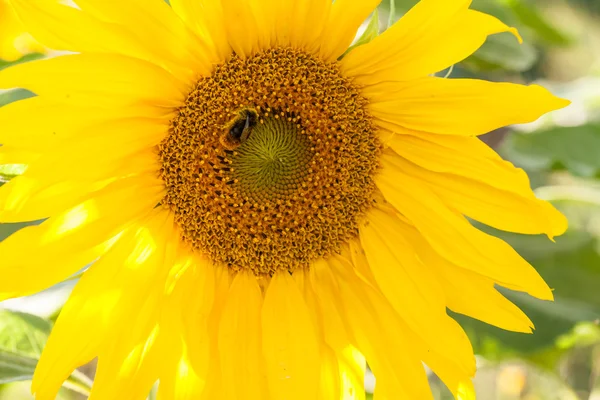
{"x": 262, "y": 214}
{"x": 14, "y": 41}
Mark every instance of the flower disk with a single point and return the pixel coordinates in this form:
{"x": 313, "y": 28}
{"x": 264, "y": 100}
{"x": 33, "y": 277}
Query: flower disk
{"x": 270, "y": 163}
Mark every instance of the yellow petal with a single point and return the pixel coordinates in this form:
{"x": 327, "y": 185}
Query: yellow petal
{"x": 101, "y": 80}
{"x": 184, "y": 328}
{"x": 108, "y": 294}
{"x": 412, "y": 288}
{"x": 474, "y": 295}
{"x": 180, "y": 382}
{"x": 278, "y": 14}
{"x": 329, "y": 383}
{"x": 50, "y": 126}
{"x": 129, "y": 366}
{"x": 131, "y": 359}
{"x": 342, "y": 366}
{"x": 330, "y": 322}
{"x": 462, "y": 106}
{"x": 11, "y": 155}
{"x": 290, "y": 345}
{"x": 345, "y": 19}
{"x": 431, "y": 37}
{"x": 352, "y": 366}
{"x": 443, "y": 363}
{"x": 101, "y": 146}
{"x": 14, "y": 41}
{"x": 467, "y": 292}
{"x": 27, "y": 199}
{"x": 243, "y": 30}
{"x": 375, "y": 328}
{"x": 195, "y": 316}
{"x": 43, "y": 190}
{"x": 460, "y": 155}
{"x": 62, "y": 27}
{"x": 62, "y": 269}
{"x": 309, "y": 19}
{"x": 240, "y": 341}
{"x": 206, "y": 19}
{"x": 469, "y": 247}
{"x": 160, "y": 30}
{"x": 84, "y": 226}
{"x": 358, "y": 258}
{"x": 516, "y": 210}
{"x": 214, "y": 385}
{"x": 455, "y": 379}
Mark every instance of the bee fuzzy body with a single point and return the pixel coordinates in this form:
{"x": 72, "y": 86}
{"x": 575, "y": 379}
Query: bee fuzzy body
{"x": 239, "y": 128}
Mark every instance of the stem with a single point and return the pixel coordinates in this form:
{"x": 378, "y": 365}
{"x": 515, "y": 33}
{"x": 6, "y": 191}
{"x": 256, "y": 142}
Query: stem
{"x": 79, "y": 382}
{"x": 575, "y": 193}
{"x": 392, "y": 16}
{"x": 153, "y": 393}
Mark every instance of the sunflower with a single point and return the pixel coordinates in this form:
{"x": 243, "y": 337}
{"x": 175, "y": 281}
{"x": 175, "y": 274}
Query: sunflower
{"x": 264, "y": 212}
{"x": 14, "y": 41}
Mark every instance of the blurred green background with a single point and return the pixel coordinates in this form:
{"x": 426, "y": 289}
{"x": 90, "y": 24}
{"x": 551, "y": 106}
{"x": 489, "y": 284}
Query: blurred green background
{"x": 561, "y": 154}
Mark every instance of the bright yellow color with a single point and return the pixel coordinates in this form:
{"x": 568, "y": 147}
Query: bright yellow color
{"x": 151, "y": 309}
{"x": 15, "y": 42}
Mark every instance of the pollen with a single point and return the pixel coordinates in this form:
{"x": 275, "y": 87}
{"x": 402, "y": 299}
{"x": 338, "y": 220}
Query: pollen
{"x": 269, "y": 164}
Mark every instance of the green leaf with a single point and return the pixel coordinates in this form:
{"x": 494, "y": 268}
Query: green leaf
{"x": 9, "y": 96}
{"x": 9, "y": 171}
{"x": 27, "y": 58}
{"x": 496, "y": 8}
{"x": 8, "y": 229}
{"x": 531, "y": 17}
{"x": 370, "y": 33}
{"x": 503, "y": 51}
{"x": 583, "y": 334}
{"x": 22, "y": 338}
{"x": 572, "y": 148}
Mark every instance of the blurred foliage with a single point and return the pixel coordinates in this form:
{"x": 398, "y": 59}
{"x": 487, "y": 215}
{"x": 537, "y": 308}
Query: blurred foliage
{"x": 561, "y": 154}
{"x": 22, "y": 338}
{"x": 558, "y": 149}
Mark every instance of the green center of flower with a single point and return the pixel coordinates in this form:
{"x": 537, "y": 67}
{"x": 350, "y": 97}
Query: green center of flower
{"x": 271, "y": 161}
{"x": 268, "y": 165}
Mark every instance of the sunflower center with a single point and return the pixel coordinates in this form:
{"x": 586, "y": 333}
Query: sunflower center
{"x": 272, "y": 162}
{"x": 269, "y": 163}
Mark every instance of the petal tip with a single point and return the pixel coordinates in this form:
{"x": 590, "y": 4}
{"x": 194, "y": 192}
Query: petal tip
{"x": 557, "y": 223}
{"x": 516, "y": 33}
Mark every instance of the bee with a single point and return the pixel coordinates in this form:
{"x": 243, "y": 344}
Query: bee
{"x": 239, "y": 128}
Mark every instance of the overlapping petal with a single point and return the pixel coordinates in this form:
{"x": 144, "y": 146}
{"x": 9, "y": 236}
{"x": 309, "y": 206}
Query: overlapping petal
{"x": 290, "y": 345}
{"x": 375, "y": 329}
{"x": 206, "y": 19}
{"x": 84, "y": 226}
{"x": 99, "y": 80}
{"x": 63, "y": 27}
{"x": 345, "y": 19}
{"x": 113, "y": 289}
{"x": 161, "y": 31}
{"x": 14, "y": 40}
{"x": 153, "y": 309}
{"x": 432, "y": 36}
{"x": 468, "y": 248}
{"x": 240, "y": 341}
{"x": 412, "y": 288}
{"x": 481, "y": 186}
{"x": 458, "y": 106}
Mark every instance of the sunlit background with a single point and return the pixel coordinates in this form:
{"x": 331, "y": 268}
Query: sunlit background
{"x": 561, "y": 154}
